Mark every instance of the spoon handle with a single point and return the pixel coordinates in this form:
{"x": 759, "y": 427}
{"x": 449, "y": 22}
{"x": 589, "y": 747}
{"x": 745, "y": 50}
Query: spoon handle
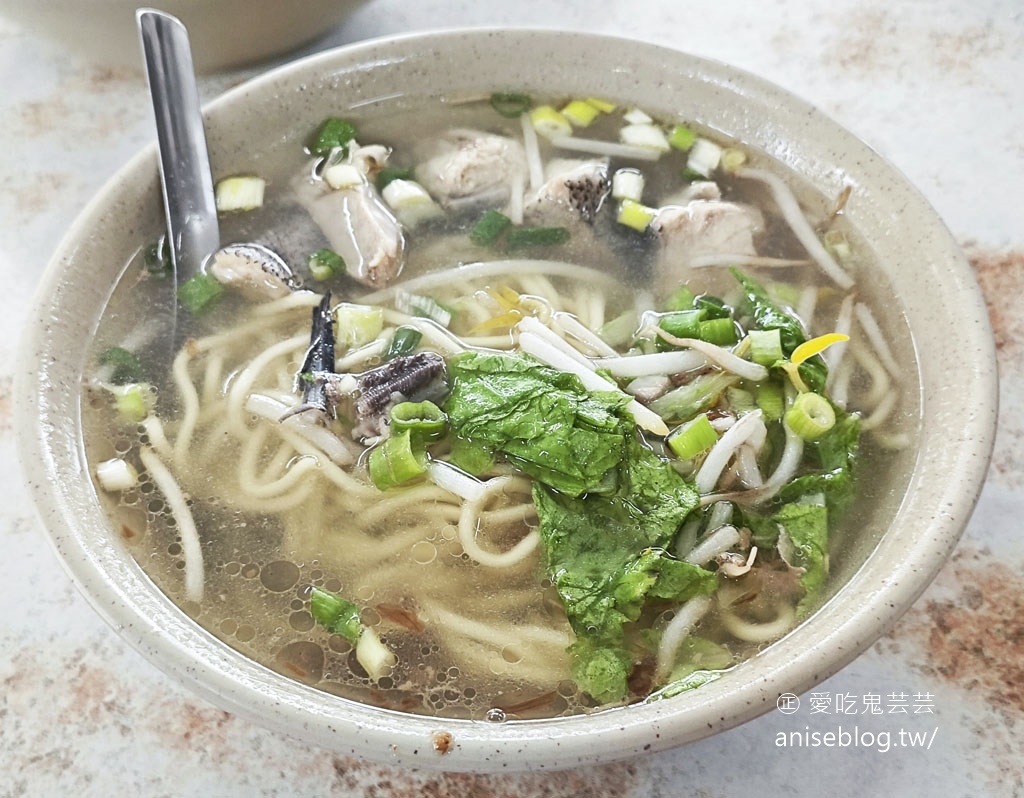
{"x": 192, "y": 228}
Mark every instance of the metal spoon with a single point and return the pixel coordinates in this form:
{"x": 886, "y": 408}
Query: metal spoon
{"x": 193, "y": 233}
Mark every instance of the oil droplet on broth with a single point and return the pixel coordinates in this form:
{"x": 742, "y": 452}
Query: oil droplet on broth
{"x": 279, "y": 576}
{"x": 424, "y": 552}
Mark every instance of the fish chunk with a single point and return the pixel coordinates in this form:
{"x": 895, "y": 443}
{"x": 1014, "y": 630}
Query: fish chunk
{"x": 466, "y": 169}
{"x": 359, "y": 226}
{"x": 255, "y": 271}
{"x": 699, "y": 228}
{"x": 576, "y": 187}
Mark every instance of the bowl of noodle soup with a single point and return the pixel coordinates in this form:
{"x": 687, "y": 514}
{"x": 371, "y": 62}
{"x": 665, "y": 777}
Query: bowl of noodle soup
{"x": 285, "y": 524}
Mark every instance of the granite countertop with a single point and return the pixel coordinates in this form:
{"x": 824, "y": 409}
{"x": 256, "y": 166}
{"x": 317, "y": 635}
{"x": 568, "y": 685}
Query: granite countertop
{"x": 936, "y": 87}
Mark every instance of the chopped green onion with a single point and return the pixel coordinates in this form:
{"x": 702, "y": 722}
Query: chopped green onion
{"x": 636, "y": 215}
{"x": 125, "y": 367}
{"x": 679, "y": 324}
{"x": 620, "y": 330}
{"x": 325, "y": 264}
{"x": 343, "y": 175}
{"x": 771, "y": 399}
{"x": 411, "y": 202}
{"x": 696, "y": 396}
{"x": 628, "y": 184}
{"x": 489, "y": 229}
{"x": 135, "y": 401}
{"x": 510, "y": 103}
{"x": 339, "y": 616}
{"x": 116, "y": 475}
{"x": 692, "y": 438}
{"x": 333, "y": 134}
{"x": 713, "y": 307}
{"x": 524, "y": 237}
{"x": 389, "y": 173}
{"x": 704, "y": 157}
{"x": 720, "y": 332}
{"x": 601, "y": 105}
{"x": 765, "y": 346}
{"x": 403, "y": 342}
{"x": 375, "y": 657}
{"x": 733, "y": 159}
{"x": 635, "y": 116}
{"x": 549, "y": 122}
{"x": 580, "y": 113}
{"x": 200, "y": 292}
{"x": 811, "y": 416}
{"x": 682, "y": 137}
{"x": 424, "y": 421}
{"x": 423, "y": 306}
{"x": 241, "y": 193}
{"x": 682, "y": 299}
{"x": 357, "y": 324}
{"x": 740, "y": 400}
{"x": 644, "y": 135}
{"x": 394, "y": 461}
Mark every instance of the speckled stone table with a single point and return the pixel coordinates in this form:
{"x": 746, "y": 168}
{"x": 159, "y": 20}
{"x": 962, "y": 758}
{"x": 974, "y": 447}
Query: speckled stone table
{"x": 936, "y": 87}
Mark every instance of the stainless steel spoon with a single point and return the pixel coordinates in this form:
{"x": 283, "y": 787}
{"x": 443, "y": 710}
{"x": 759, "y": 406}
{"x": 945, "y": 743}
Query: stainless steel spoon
{"x": 193, "y": 233}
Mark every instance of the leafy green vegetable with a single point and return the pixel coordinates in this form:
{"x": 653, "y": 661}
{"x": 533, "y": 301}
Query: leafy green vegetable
{"x": 700, "y": 661}
{"x": 836, "y": 454}
{"x": 609, "y": 507}
{"x": 541, "y": 419}
{"x": 769, "y": 316}
{"x": 696, "y": 396}
{"x": 606, "y": 557}
{"x": 339, "y": 616}
{"x": 806, "y": 526}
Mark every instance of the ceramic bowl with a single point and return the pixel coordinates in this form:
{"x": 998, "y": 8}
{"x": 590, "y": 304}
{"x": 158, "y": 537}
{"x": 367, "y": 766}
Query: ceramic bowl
{"x": 224, "y": 33}
{"x": 905, "y": 538}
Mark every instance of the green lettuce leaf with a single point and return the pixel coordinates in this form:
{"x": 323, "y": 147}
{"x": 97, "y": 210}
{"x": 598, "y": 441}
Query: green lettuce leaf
{"x": 540, "y": 419}
{"x": 606, "y": 557}
{"x": 806, "y": 526}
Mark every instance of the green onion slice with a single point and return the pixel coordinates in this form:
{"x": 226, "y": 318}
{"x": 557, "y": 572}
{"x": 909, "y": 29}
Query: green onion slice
{"x": 395, "y": 461}
{"x": 811, "y": 416}
{"x": 325, "y": 264}
{"x": 510, "y": 103}
{"x": 490, "y": 227}
{"x": 333, "y": 133}
{"x": 403, "y": 342}
{"x": 424, "y": 421}
{"x": 765, "y": 346}
{"x": 692, "y": 438}
{"x": 339, "y": 616}
{"x": 200, "y": 292}
{"x": 524, "y": 237}
{"x": 720, "y": 332}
